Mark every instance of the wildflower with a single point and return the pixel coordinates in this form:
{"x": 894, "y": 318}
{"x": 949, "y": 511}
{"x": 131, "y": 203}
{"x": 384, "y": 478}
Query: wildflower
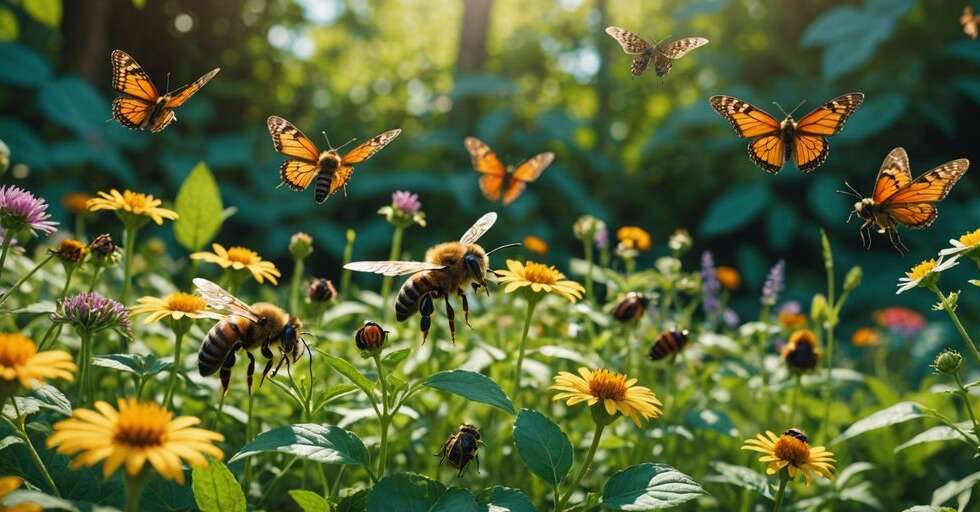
{"x": 542, "y": 279}
{"x": 614, "y": 391}
{"x": 925, "y": 274}
{"x": 321, "y": 290}
{"x": 679, "y": 242}
{"x": 176, "y": 306}
{"x": 104, "y": 251}
{"x": 9, "y": 484}
{"x": 865, "y": 337}
{"x": 132, "y": 206}
{"x": 300, "y": 245}
{"x": 156, "y": 246}
{"x": 239, "y": 258}
{"x": 948, "y": 362}
{"x": 70, "y": 251}
{"x": 23, "y": 367}
{"x": 966, "y": 245}
{"x": 668, "y": 265}
{"x": 728, "y": 277}
{"x": 586, "y": 227}
{"x": 791, "y": 315}
{"x": 91, "y": 312}
{"x": 730, "y": 318}
{"x": 536, "y": 245}
{"x": 801, "y": 353}
{"x": 405, "y": 209}
{"x": 634, "y": 238}
{"x": 710, "y": 286}
{"x": 370, "y": 337}
{"x": 136, "y": 433}
{"x": 76, "y": 203}
{"x": 602, "y": 238}
{"x": 793, "y": 452}
{"x": 774, "y": 284}
{"x": 903, "y": 321}
{"x": 21, "y": 211}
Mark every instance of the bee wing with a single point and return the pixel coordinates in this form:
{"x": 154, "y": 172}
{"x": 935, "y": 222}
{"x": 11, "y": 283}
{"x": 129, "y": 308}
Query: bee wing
{"x": 392, "y": 268}
{"x": 219, "y": 298}
{"x": 482, "y": 225}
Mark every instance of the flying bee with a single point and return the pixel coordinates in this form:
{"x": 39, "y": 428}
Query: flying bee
{"x": 461, "y": 448}
{"x": 631, "y": 307}
{"x": 262, "y": 325}
{"x": 448, "y": 268}
{"x": 797, "y": 433}
{"x": 669, "y": 343}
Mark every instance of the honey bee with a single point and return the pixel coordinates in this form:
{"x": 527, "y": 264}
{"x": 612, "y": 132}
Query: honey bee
{"x": 631, "y": 307}
{"x": 461, "y": 448}
{"x": 797, "y": 433}
{"x": 448, "y": 268}
{"x": 261, "y": 325}
{"x": 670, "y": 342}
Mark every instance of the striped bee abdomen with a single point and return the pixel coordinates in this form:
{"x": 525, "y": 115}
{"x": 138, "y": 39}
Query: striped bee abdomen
{"x": 407, "y": 301}
{"x": 217, "y": 343}
{"x": 670, "y": 342}
{"x": 322, "y": 186}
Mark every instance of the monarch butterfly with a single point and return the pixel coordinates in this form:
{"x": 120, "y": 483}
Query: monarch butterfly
{"x": 663, "y": 54}
{"x": 141, "y": 106}
{"x": 497, "y": 180}
{"x": 774, "y": 142}
{"x": 332, "y": 172}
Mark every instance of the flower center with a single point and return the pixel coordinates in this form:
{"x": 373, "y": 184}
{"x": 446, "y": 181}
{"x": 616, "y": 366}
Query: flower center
{"x": 792, "y": 450}
{"x": 971, "y": 239}
{"x": 142, "y": 425}
{"x": 185, "y": 302}
{"x": 921, "y": 270}
{"x": 543, "y": 274}
{"x": 242, "y": 255}
{"x": 15, "y": 350}
{"x": 608, "y": 385}
{"x": 136, "y": 202}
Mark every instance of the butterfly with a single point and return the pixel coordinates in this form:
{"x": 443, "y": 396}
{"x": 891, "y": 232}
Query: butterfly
{"x": 662, "y": 54}
{"x": 899, "y": 200}
{"x": 141, "y": 106}
{"x": 497, "y": 180}
{"x": 970, "y": 22}
{"x": 775, "y": 142}
{"x": 332, "y": 172}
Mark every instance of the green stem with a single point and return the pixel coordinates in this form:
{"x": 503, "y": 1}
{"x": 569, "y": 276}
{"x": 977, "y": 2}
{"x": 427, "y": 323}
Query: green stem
{"x": 294, "y": 286}
{"x": 969, "y": 407}
{"x": 134, "y": 490}
{"x": 95, "y": 278}
{"x": 384, "y": 418}
{"x": 345, "y": 276}
{"x": 25, "y": 278}
{"x": 584, "y": 469}
{"x": 247, "y": 479}
{"x": 129, "y": 245}
{"x": 8, "y": 239}
{"x": 514, "y": 395}
{"x": 80, "y": 226}
{"x": 956, "y": 321}
{"x": 792, "y": 400}
{"x": 394, "y": 254}
{"x": 829, "y": 326}
{"x": 783, "y": 479}
{"x": 22, "y": 433}
{"x": 84, "y": 376}
{"x": 587, "y": 246}
{"x": 175, "y": 369}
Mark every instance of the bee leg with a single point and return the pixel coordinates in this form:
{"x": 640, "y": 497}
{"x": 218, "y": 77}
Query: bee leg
{"x": 451, "y": 316}
{"x": 250, "y": 371}
{"x": 476, "y": 458}
{"x": 466, "y": 307}
{"x": 270, "y": 358}
{"x": 425, "y": 311}
{"x": 226, "y": 367}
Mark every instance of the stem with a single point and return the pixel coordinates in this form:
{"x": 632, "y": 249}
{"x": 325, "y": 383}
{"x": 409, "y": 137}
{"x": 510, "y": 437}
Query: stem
{"x": 783, "y": 478}
{"x": 792, "y": 400}
{"x": 134, "y": 489}
{"x": 129, "y": 244}
{"x": 584, "y": 469}
{"x": 969, "y": 407}
{"x": 294, "y": 286}
{"x": 829, "y": 337}
{"x": 8, "y": 238}
{"x": 531, "y": 303}
{"x": 246, "y": 480}
{"x": 25, "y": 278}
{"x": 345, "y": 276}
{"x": 80, "y": 226}
{"x": 956, "y": 321}
{"x": 175, "y": 369}
{"x": 84, "y": 354}
{"x": 22, "y": 433}
{"x": 587, "y": 246}
{"x": 396, "y": 250}
{"x": 95, "y": 278}
{"x": 384, "y": 418}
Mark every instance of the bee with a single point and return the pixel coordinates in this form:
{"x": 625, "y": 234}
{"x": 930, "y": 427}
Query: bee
{"x": 461, "y": 448}
{"x": 632, "y": 307}
{"x": 798, "y": 434}
{"x": 669, "y": 343}
{"x": 448, "y": 268}
{"x": 262, "y": 325}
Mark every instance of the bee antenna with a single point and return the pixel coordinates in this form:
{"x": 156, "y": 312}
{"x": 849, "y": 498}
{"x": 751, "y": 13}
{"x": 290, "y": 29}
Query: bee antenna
{"x": 798, "y": 105}
{"x": 346, "y": 143}
{"x": 168, "y": 81}
{"x": 329, "y": 145}
{"x": 505, "y": 246}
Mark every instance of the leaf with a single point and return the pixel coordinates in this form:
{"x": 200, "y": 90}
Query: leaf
{"x": 740, "y": 476}
{"x": 309, "y": 501}
{"x": 543, "y": 447}
{"x": 326, "y": 444}
{"x": 953, "y": 489}
{"x": 73, "y": 103}
{"x": 49, "y": 397}
{"x": 22, "y": 66}
{"x": 846, "y": 55}
{"x": 834, "y": 25}
{"x": 456, "y": 500}
{"x": 8, "y": 25}
{"x": 347, "y": 370}
{"x": 216, "y": 490}
{"x": 472, "y": 386}
{"x": 735, "y": 208}
{"x": 137, "y": 364}
{"x": 10, "y": 441}
{"x": 393, "y": 359}
{"x": 404, "y": 492}
{"x": 199, "y": 205}
{"x": 927, "y": 508}
{"x": 781, "y": 225}
{"x": 898, "y": 413}
{"x": 937, "y": 433}
{"x": 504, "y": 499}
{"x": 47, "y": 12}
{"x": 356, "y": 502}
{"x": 649, "y": 486}
{"x": 332, "y": 393}
{"x": 875, "y": 115}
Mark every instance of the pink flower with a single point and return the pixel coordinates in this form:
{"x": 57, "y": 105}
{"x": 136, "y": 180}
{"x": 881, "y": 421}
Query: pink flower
{"x": 20, "y": 210}
{"x": 405, "y": 201}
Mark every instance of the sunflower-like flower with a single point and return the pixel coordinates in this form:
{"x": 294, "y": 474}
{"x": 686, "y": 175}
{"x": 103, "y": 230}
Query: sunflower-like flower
{"x": 613, "y": 391}
{"x": 541, "y": 278}
{"x": 9, "y": 484}
{"x": 176, "y": 306}
{"x": 240, "y": 258}
{"x": 536, "y": 245}
{"x": 925, "y": 273}
{"x": 635, "y": 238}
{"x": 792, "y": 451}
{"x": 131, "y": 203}
{"x": 70, "y": 251}
{"x": 22, "y": 366}
{"x": 136, "y": 433}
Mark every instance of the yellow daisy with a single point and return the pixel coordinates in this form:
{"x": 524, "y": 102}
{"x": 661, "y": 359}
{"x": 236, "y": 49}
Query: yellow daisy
{"x": 924, "y": 273}
{"x": 240, "y": 258}
{"x": 21, "y": 364}
{"x": 177, "y": 305}
{"x": 968, "y": 243}
{"x": 9, "y": 484}
{"x": 137, "y": 433}
{"x": 541, "y": 278}
{"x": 633, "y": 237}
{"x": 792, "y": 451}
{"x": 614, "y": 390}
{"x": 132, "y": 202}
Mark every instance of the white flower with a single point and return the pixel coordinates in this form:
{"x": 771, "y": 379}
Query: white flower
{"x": 966, "y": 243}
{"x": 914, "y": 277}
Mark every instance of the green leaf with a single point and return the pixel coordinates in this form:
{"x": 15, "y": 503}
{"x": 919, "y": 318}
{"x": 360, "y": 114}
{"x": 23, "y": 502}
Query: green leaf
{"x": 199, "y": 205}
{"x": 22, "y": 66}
{"x": 740, "y": 476}
{"x": 393, "y": 359}
{"x": 347, "y": 370}
{"x": 8, "y": 25}
{"x": 49, "y": 397}
{"x": 404, "y": 492}
{"x": 649, "y": 487}
{"x": 137, "y": 364}
{"x": 875, "y": 116}
{"x": 543, "y": 447}
{"x": 216, "y": 490}
{"x": 834, "y": 25}
{"x": 456, "y": 500}
{"x": 472, "y": 386}
{"x": 326, "y": 444}
{"x": 74, "y": 104}
{"x": 504, "y": 499}
{"x": 309, "y": 501}
{"x": 937, "y": 433}
{"x": 332, "y": 393}
{"x": 736, "y": 208}
{"x": 927, "y": 508}
{"x": 955, "y": 489}
{"x": 898, "y": 413}
{"x": 781, "y": 225}
{"x": 47, "y": 12}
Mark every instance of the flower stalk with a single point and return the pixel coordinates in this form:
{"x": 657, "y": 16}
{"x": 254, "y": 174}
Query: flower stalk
{"x": 532, "y": 302}
{"x": 25, "y": 277}
{"x": 596, "y": 437}
{"x": 951, "y": 310}
{"x": 18, "y": 426}
{"x": 778, "y": 503}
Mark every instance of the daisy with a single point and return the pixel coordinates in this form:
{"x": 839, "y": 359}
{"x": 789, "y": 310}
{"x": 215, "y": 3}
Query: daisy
{"x": 239, "y": 258}
{"x": 176, "y": 306}
{"x": 133, "y": 204}
{"x": 633, "y": 237}
{"x": 925, "y": 273}
{"x": 614, "y": 391}
{"x": 542, "y": 279}
{"x": 22, "y": 366}
{"x": 968, "y": 243}
{"x": 792, "y": 451}
{"x": 9, "y": 484}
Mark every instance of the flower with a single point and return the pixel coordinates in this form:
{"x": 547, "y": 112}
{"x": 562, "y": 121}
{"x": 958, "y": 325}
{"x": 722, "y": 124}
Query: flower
{"x": 800, "y": 352}
{"x": 791, "y": 315}
{"x": 406, "y": 202}
{"x": 587, "y": 227}
{"x": 20, "y": 210}
{"x": 9, "y": 484}
{"x": 70, "y": 251}
{"x": 21, "y": 366}
{"x": 774, "y": 284}
{"x": 541, "y": 278}
{"x": 92, "y": 313}
{"x": 300, "y": 245}
{"x": 680, "y": 241}
{"x": 968, "y": 243}
{"x": 536, "y": 245}
{"x": 633, "y": 237}
{"x": 616, "y": 393}
{"x": 404, "y": 210}
{"x": 903, "y": 321}
{"x": 76, "y": 202}
{"x": 177, "y": 305}
{"x": 321, "y": 290}
{"x": 132, "y": 203}
{"x": 602, "y": 238}
{"x": 792, "y": 451}
{"x": 728, "y": 277}
{"x": 925, "y": 273}
{"x": 730, "y": 318}
{"x": 948, "y": 361}
{"x": 104, "y": 250}
{"x": 865, "y": 337}
{"x": 709, "y": 283}
{"x": 370, "y": 337}
{"x": 4, "y": 157}
{"x": 240, "y": 258}
{"x": 137, "y": 433}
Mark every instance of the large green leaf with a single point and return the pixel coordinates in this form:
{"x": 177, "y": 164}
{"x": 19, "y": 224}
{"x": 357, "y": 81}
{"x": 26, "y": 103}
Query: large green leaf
{"x": 309, "y": 501}
{"x": 543, "y": 447}
{"x": 347, "y": 370}
{"x": 456, "y": 500}
{"x": 404, "y": 492}
{"x": 740, "y": 476}
{"x": 736, "y": 208}
{"x": 937, "y": 433}
{"x": 321, "y": 443}
{"x": 199, "y": 205}
{"x": 472, "y": 386}
{"x": 649, "y": 487}
{"x": 898, "y": 413}
{"x": 504, "y": 499}
{"x": 47, "y": 12}
{"x": 216, "y": 490}
{"x": 137, "y": 364}
{"x": 875, "y": 116}
{"x": 74, "y": 104}
{"x": 22, "y": 66}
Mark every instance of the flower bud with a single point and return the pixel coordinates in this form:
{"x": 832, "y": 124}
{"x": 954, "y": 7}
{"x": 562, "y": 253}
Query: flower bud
{"x": 853, "y": 279}
{"x": 586, "y": 227}
{"x": 300, "y": 245}
{"x": 801, "y": 353}
{"x": 351, "y": 235}
{"x": 948, "y": 362}
{"x": 103, "y": 249}
{"x": 370, "y": 337}
{"x": 818, "y": 308}
{"x": 680, "y": 241}
{"x": 321, "y": 290}
{"x": 70, "y": 251}
{"x": 4, "y": 157}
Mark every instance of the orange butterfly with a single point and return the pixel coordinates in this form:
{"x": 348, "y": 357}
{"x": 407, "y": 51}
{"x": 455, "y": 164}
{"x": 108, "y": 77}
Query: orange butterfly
{"x": 307, "y": 162}
{"x": 775, "y": 142}
{"x": 898, "y": 199}
{"x": 497, "y": 180}
{"x": 970, "y": 22}
{"x": 141, "y": 106}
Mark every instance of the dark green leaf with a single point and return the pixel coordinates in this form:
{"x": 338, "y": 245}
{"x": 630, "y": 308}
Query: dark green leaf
{"x": 392, "y": 359}
{"x": 937, "y": 433}
{"x": 543, "y": 447}
{"x": 200, "y": 208}
{"x": 504, "y": 499}
{"x": 649, "y": 487}
{"x": 309, "y": 501}
{"x": 321, "y": 443}
{"x": 456, "y": 500}
{"x": 736, "y": 208}
{"x": 8, "y": 25}
{"x": 347, "y": 370}
{"x": 834, "y": 25}
{"x": 216, "y": 490}
{"x": 74, "y": 104}
{"x": 740, "y": 476}
{"x": 22, "y": 66}
{"x": 472, "y": 386}
{"x": 875, "y": 115}
{"x": 137, "y": 364}
{"x": 404, "y": 492}
{"x": 49, "y": 397}
{"x": 898, "y": 413}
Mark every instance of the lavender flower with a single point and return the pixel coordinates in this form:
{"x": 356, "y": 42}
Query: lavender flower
{"x": 602, "y": 237}
{"x": 774, "y": 284}
{"x": 730, "y": 318}
{"x": 20, "y": 210}
{"x": 91, "y": 312}
{"x": 405, "y": 201}
{"x": 709, "y": 284}
{"x": 405, "y": 209}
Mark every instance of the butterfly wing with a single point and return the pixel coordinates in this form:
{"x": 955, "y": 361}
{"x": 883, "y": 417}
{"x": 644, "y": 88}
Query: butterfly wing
{"x": 130, "y": 112}
{"x": 894, "y": 175}
{"x": 479, "y": 228}
{"x": 162, "y": 119}
{"x": 829, "y": 118}
{"x": 810, "y": 151}
{"x": 180, "y": 96}
{"x": 528, "y": 171}
{"x": 662, "y": 64}
{"x": 640, "y": 63}
{"x": 370, "y": 147}
{"x": 297, "y": 172}
{"x": 746, "y": 119}
{"x": 768, "y": 152}
{"x": 681, "y": 47}
{"x": 913, "y": 205}
{"x": 492, "y": 171}
{"x": 631, "y": 43}
{"x": 392, "y": 268}
{"x": 341, "y": 177}
{"x": 129, "y": 78}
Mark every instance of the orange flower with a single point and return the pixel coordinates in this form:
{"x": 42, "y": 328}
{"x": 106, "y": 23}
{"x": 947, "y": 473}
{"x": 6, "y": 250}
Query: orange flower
{"x": 728, "y": 277}
{"x": 865, "y": 337}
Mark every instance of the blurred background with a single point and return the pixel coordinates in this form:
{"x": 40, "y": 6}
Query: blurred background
{"x": 525, "y": 76}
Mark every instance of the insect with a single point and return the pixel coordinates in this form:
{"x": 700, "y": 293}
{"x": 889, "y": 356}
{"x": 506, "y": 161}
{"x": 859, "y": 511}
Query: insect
{"x": 897, "y": 199}
{"x": 970, "y": 22}
{"x": 631, "y": 307}
{"x": 461, "y": 448}
{"x": 140, "y": 105}
{"x": 262, "y": 325}
{"x": 662, "y": 54}
{"x": 497, "y": 180}
{"x": 775, "y": 142}
{"x": 669, "y": 343}
{"x": 448, "y": 268}
{"x": 306, "y": 162}
{"x": 797, "y": 433}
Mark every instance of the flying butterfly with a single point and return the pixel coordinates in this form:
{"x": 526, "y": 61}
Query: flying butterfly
{"x": 774, "y": 142}
{"x": 970, "y": 22}
{"x": 899, "y": 200}
{"x": 497, "y": 181}
{"x": 141, "y": 106}
{"x": 306, "y": 162}
{"x": 663, "y": 54}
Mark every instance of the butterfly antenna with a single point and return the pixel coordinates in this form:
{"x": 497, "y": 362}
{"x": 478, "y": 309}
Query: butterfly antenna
{"x": 329, "y": 145}
{"x": 780, "y": 107}
{"x": 505, "y": 246}
{"x": 168, "y": 81}
{"x": 346, "y": 143}
{"x": 800, "y": 104}
{"x": 856, "y": 193}
{"x": 848, "y": 193}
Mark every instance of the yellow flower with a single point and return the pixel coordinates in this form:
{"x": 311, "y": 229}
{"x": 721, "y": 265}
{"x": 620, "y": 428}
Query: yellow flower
{"x": 536, "y": 245}
{"x": 76, "y": 202}
{"x": 614, "y": 390}
{"x": 20, "y": 362}
{"x": 968, "y": 243}
{"x": 541, "y": 279}
{"x": 865, "y": 337}
{"x": 177, "y": 305}
{"x": 792, "y": 451}
{"x": 132, "y": 202}
{"x": 9, "y": 484}
{"x": 241, "y": 258}
{"x": 927, "y": 271}
{"x": 792, "y": 320}
{"x": 135, "y": 434}
{"x": 728, "y": 277}
{"x": 633, "y": 237}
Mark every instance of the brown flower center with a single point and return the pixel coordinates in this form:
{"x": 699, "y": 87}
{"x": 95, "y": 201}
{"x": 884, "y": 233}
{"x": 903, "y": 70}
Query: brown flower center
{"x": 792, "y": 450}
{"x": 142, "y": 425}
{"x": 543, "y": 274}
{"x": 242, "y": 255}
{"x": 605, "y": 384}
{"x": 185, "y": 302}
{"x": 15, "y": 350}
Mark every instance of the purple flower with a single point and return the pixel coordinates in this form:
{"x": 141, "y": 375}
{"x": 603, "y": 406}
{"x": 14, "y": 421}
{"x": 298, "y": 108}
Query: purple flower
{"x": 91, "y": 312}
{"x": 602, "y": 237}
{"x": 730, "y": 318}
{"x": 709, "y": 284}
{"x": 405, "y": 201}
{"x": 791, "y": 307}
{"x": 774, "y": 284}
{"x": 20, "y": 210}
